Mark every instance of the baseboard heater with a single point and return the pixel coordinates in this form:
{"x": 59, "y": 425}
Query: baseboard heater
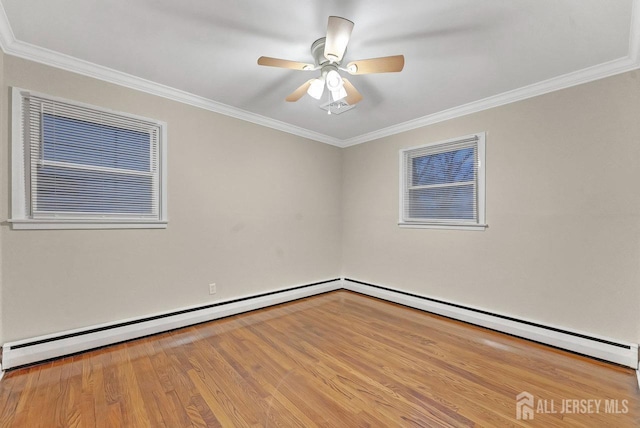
{"x": 24, "y": 352}
{"x": 37, "y": 349}
{"x": 611, "y": 350}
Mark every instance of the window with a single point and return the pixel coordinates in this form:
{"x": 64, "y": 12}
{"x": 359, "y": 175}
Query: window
{"x": 76, "y": 166}
{"x": 442, "y": 184}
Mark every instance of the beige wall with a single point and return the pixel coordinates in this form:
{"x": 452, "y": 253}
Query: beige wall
{"x": 254, "y": 209}
{"x": 4, "y": 197}
{"x": 563, "y": 208}
{"x": 250, "y": 208}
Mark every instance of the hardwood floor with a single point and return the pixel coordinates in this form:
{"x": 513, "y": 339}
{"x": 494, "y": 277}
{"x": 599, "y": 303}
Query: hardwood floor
{"x": 335, "y": 360}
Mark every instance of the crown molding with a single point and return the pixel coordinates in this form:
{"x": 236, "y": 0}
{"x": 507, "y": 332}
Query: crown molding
{"x": 561, "y": 82}
{"x": 600, "y": 71}
{"x": 11, "y": 46}
{"x": 6, "y": 33}
{"x": 634, "y": 33}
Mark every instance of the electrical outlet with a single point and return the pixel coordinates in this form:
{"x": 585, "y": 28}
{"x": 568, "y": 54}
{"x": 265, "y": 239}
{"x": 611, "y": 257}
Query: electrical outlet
{"x": 212, "y": 288}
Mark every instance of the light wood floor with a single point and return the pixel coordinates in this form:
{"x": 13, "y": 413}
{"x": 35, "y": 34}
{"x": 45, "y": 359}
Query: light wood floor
{"x": 335, "y": 360}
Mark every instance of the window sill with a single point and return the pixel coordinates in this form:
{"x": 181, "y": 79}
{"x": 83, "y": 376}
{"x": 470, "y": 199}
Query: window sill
{"x": 450, "y": 226}
{"x": 41, "y": 224}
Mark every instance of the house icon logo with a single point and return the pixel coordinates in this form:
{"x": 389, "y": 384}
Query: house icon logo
{"x": 524, "y": 406}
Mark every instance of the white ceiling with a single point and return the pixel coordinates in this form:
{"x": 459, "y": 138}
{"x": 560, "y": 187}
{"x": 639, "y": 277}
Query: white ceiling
{"x": 456, "y": 52}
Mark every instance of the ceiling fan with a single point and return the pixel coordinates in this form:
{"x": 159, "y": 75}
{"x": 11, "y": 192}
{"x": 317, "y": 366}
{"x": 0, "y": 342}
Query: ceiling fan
{"x": 327, "y": 53}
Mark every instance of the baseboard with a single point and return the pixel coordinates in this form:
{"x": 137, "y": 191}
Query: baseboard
{"x": 611, "y": 350}
{"x": 33, "y": 350}
{"x": 638, "y": 376}
{"x": 20, "y": 353}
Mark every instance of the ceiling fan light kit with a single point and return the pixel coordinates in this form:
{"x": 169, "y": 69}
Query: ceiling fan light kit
{"x": 328, "y": 53}
{"x": 316, "y": 88}
{"x": 334, "y": 81}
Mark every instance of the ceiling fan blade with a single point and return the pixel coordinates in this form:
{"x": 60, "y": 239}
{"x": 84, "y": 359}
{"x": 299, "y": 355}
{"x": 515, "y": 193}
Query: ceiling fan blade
{"x": 284, "y": 63}
{"x": 338, "y": 34}
{"x": 298, "y": 93}
{"x": 387, "y": 64}
{"x": 353, "y": 96}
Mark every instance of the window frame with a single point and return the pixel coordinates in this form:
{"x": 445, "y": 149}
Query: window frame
{"x": 480, "y": 224}
{"x": 21, "y": 218}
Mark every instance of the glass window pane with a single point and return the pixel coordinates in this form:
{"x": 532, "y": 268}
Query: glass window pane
{"x": 455, "y": 202}
{"x": 73, "y": 190}
{"x": 87, "y": 143}
{"x": 442, "y": 168}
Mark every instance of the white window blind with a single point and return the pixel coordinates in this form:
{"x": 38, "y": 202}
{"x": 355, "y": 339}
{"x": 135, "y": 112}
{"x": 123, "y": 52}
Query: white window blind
{"x": 442, "y": 184}
{"x": 89, "y": 165}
